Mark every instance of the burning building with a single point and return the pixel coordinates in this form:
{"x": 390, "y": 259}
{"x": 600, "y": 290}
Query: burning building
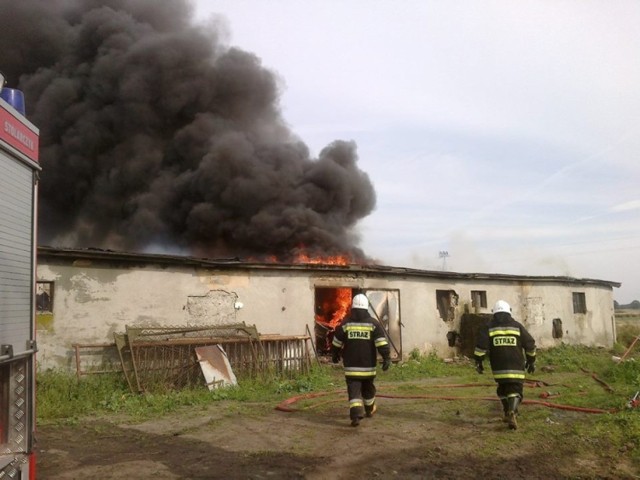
{"x": 157, "y": 136}
{"x": 94, "y": 293}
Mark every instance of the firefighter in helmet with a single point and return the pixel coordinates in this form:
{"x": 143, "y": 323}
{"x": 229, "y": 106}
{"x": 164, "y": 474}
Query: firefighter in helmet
{"x": 504, "y": 339}
{"x": 358, "y": 339}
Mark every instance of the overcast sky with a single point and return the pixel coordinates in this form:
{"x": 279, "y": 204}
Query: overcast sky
{"x": 504, "y": 133}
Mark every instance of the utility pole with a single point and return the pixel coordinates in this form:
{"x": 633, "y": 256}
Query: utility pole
{"x": 443, "y": 255}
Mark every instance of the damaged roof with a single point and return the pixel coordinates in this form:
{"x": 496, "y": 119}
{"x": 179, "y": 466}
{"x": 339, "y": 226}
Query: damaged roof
{"x": 111, "y": 256}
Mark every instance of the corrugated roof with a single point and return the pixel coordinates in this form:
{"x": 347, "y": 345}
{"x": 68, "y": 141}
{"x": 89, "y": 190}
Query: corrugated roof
{"x": 96, "y": 254}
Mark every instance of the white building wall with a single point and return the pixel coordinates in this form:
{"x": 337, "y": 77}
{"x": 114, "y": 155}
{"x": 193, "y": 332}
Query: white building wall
{"x": 91, "y": 303}
{"x": 535, "y": 305}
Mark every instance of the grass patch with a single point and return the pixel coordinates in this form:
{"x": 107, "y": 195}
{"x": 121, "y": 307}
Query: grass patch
{"x": 418, "y": 366}
{"x": 570, "y": 375}
{"x": 63, "y": 397}
{"x": 575, "y": 376}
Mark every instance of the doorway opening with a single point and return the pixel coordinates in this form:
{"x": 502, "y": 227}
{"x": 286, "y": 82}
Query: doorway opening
{"x": 333, "y": 305}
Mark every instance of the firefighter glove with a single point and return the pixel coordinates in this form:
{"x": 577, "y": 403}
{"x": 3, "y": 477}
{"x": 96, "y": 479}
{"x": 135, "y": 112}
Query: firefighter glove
{"x": 530, "y": 367}
{"x": 479, "y": 366}
{"x": 335, "y": 358}
{"x": 386, "y": 363}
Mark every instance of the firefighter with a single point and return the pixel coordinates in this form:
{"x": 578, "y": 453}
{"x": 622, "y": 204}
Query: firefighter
{"x": 504, "y": 340}
{"x": 358, "y": 339}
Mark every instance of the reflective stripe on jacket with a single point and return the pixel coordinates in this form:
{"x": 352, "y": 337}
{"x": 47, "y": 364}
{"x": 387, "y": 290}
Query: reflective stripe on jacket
{"x": 504, "y": 340}
{"x": 360, "y": 338}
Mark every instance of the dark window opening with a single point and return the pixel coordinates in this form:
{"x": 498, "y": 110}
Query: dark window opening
{"x": 44, "y": 297}
{"x": 579, "y": 302}
{"x": 478, "y": 299}
{"x": 557, "y": 328}
{"x": 447, "y": 301}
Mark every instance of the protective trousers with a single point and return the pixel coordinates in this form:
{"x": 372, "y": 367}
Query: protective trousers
{"x": 510, "y": 394}
{"x": 362, "y": 396}
{"x": 507, "y": 390}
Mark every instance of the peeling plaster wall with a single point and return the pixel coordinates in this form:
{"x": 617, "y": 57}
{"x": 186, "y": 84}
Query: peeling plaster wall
{"x": 536, "y": 305}
{"x": 91, "y": 302}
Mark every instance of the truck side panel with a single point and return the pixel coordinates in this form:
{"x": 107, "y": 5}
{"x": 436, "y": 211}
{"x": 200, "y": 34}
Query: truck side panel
{"x": 19, "y": 141}
{"x": 16, "y": 247}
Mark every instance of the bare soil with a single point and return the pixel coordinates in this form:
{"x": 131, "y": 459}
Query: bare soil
{"x": 408, "y": 438}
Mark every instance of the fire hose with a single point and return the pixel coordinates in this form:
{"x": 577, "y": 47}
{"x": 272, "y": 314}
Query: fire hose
{"x": 286, "y": 405}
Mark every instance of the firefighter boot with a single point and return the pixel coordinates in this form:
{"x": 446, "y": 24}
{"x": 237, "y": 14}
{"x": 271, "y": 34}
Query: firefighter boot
{"x": 505, "y": 409}
{"x": 355, "y": 413}
{"x": 370, "y": 410}
{"x": 513, "y": 412}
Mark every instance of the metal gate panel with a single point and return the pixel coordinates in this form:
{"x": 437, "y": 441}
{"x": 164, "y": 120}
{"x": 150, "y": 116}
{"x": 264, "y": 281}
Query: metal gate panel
{"x": 386, "y": 308}
{"x": 16, "y": 253}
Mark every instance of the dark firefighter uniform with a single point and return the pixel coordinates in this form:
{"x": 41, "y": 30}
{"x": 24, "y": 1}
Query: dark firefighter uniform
{"x": 504, "y": 340}
{"x": 359, "y": 338}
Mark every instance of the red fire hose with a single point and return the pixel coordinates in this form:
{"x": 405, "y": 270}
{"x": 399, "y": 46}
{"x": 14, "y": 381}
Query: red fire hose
{"x": 285, "y": 405}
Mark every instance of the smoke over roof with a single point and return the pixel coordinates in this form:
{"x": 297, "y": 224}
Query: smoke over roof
{"x": 154, "y": 132}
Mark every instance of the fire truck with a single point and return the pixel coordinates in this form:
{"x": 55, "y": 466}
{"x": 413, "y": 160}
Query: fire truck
{"x": 19, "y": 173}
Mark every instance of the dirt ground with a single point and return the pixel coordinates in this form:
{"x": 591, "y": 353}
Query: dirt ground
{"x": 408, "y": 438}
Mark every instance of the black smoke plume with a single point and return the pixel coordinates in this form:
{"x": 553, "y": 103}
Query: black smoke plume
{"x": 155, "y": 133}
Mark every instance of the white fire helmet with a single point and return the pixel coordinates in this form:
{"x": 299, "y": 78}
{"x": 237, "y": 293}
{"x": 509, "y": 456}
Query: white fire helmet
{"x": 501, "y": 306}
{"x": 360, "y": 301}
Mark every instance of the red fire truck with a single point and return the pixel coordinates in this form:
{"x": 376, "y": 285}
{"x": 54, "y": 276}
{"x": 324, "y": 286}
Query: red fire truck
{"x": 19, "y": 171}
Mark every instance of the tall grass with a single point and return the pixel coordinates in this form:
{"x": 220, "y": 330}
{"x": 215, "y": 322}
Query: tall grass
{"x": 62, "y": 396}
{"x": 626, "y": 333}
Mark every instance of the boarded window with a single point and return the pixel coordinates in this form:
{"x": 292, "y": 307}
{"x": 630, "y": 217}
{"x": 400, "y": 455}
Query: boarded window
{"x": 478, "y": 298}
{"x": 44, "y": 297}
{"x": 579, "y": 303}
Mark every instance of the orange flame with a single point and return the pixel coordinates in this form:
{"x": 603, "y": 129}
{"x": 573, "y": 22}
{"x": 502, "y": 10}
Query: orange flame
{"x": 335, "y": 308}
{"x": 343, "y": 303}
{"x": 330, "y": 260}
{"x": 308, "y": 259}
